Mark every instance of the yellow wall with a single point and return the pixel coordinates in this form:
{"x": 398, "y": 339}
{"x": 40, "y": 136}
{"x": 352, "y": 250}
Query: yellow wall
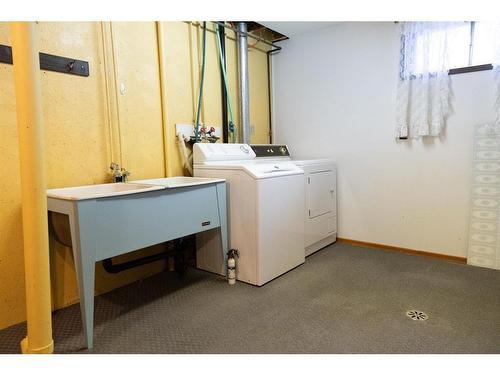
{"x": 183, "y": 59}
{"x": 90, "y": 122}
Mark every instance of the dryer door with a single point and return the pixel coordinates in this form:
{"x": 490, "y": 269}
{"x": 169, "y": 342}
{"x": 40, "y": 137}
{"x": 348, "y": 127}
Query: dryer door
{"x": 320, "y": 193}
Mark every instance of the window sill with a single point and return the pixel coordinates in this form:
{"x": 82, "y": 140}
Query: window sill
{"x": 470, "y": 69}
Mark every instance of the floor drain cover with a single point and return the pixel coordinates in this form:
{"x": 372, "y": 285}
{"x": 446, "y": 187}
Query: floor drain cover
{"x": 416, "y": 315}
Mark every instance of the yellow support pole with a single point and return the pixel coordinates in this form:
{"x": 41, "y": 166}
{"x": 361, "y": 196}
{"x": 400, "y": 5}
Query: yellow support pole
{"x": 34, "y": 200}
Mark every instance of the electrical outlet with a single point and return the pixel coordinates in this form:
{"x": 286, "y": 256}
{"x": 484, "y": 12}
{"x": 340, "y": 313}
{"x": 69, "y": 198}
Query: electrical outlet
{"x": 187, "y": 130}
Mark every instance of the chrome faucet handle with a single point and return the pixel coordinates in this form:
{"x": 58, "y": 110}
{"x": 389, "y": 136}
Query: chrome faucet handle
{"x": 125, "y": 174}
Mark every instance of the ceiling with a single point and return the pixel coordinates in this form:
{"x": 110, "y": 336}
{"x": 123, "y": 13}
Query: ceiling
{"x": 292, "y": 29}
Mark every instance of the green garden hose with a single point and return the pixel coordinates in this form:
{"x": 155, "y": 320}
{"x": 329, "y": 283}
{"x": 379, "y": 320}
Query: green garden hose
{"x": 224, "y": 75}
{"x": 200, "y": 96}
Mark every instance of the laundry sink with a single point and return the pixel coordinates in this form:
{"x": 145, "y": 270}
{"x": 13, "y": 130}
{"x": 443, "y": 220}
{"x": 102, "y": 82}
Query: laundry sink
{"x": 101, "y": 190}
{"x": 109, "y": 220}
{"x": 180, "y": 181}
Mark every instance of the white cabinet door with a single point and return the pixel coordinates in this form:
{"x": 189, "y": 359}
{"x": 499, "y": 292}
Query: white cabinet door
{"x": 321, "y": 193}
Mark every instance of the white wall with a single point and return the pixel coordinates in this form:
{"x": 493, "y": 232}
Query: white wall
{"x": 334, "y": 96}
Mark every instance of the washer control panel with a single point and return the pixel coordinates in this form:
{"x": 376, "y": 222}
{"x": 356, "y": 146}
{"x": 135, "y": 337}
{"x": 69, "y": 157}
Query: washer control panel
{"x": 270, "y": 150}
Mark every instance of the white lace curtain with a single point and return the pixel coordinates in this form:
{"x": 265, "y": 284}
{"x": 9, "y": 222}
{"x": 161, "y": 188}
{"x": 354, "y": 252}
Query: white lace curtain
{"x": 423, "y": 92}
{"x": 423, "y": 87}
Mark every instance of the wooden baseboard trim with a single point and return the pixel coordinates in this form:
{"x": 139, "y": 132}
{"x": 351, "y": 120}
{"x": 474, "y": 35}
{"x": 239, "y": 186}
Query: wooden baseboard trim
{"x": 372, "y": 245}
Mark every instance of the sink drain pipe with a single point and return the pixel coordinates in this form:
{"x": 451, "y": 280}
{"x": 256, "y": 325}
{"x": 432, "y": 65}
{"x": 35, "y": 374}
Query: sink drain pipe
{"x": 179, "y": 252}
{"x": 243, "y": 81}
{"x": 33, "y": 188}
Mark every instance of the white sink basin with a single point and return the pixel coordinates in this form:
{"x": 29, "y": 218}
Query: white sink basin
{"x": 100, "y": 191}
{"x": 180, "y": 181}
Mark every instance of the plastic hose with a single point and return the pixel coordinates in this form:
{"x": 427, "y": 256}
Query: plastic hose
{"x": 224, "y": 75}
{"x": 197, "y": 128}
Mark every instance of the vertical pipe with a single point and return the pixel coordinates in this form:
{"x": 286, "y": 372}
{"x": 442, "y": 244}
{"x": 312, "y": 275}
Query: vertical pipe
{"x": 243, "y": 82}
{"x": 115, "y": 89}
{"x": 225, "y": 125}
{"x": 162, "y": 56}
{"x": 269, "y": 95}
{"x": 34, "y": 200}
{"x": 111, "y": 95}
{"x": 271, "y": 90}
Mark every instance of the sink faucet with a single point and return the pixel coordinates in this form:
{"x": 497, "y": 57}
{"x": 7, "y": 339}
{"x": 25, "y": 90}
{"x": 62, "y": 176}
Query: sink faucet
{"x": 119, "y": 174}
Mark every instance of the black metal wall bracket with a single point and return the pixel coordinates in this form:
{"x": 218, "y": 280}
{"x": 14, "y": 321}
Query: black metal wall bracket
{"x": 470, "y": 69}
{"x": 51, "y": 62}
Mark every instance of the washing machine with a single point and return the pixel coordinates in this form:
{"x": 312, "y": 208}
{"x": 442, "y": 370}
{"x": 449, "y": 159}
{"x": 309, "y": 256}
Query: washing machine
{"x": 266, "y": 202}
{"x": 320, "y": 187}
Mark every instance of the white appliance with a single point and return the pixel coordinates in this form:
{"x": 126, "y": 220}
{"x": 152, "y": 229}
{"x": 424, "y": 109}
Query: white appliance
{"x": 320, "y": 185}
{"x": 266, "y": 201}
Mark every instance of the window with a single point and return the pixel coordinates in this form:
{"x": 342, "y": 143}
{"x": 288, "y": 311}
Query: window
{"x": 484, "y": 37}
{"x": 429, "y": 52}
{"x": 468, "y": 44}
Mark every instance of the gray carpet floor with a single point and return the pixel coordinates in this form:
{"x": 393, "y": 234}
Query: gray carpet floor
{"x": 344, "y": 299}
